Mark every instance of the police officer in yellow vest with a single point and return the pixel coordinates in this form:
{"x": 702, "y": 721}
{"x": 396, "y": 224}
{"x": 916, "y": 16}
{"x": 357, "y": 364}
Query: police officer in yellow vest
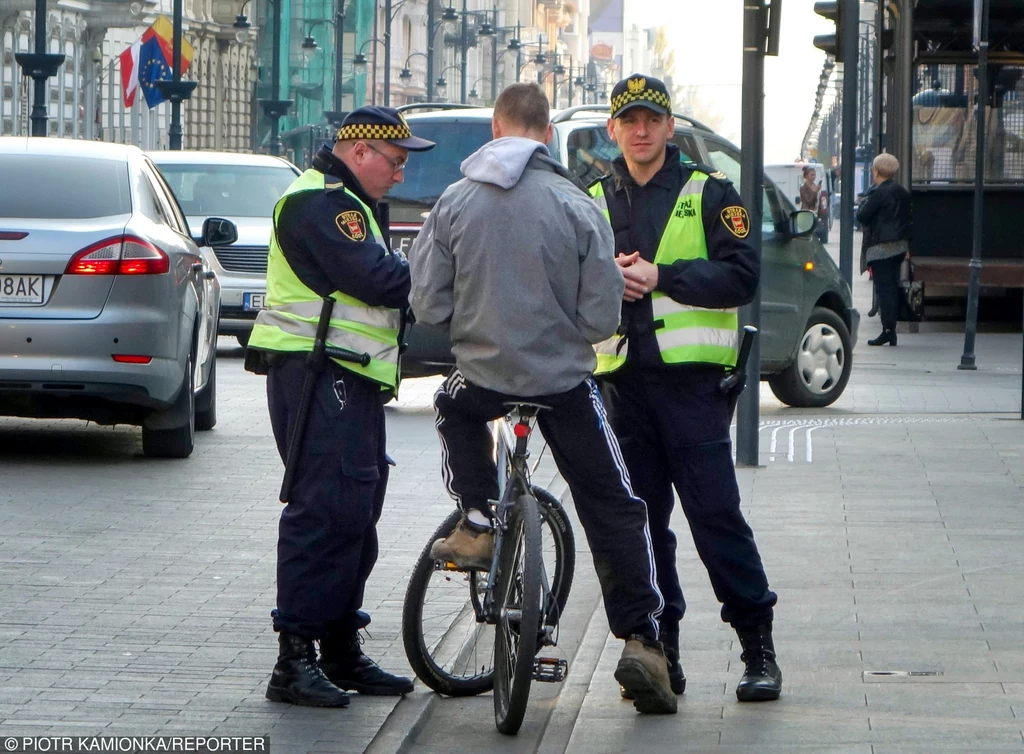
{"x": 327, "y": 241}
{"x": 680, "y": 239}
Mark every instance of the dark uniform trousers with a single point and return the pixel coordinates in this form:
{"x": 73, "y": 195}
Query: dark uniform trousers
{"x": 588, "y": 457}
{"x": 673, "y": 427}
{"x": 327, "y": 540}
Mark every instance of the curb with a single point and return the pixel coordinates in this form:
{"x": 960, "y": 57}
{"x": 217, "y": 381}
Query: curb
{"x": 404, "y": 724}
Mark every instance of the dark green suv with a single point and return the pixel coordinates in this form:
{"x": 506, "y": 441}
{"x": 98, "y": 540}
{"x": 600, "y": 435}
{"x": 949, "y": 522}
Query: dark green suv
{"x": 808, "y": 322}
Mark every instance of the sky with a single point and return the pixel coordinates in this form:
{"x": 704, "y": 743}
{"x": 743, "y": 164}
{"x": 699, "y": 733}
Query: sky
{"x": 708, "y": 41}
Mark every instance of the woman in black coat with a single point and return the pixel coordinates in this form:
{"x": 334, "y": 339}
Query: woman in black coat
{"x": 887, "y": 219}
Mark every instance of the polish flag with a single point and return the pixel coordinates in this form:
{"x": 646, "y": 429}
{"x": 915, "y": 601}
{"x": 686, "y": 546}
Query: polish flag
{"x": 130, "y": 73}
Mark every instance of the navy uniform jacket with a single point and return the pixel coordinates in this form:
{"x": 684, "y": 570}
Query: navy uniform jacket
{"x": 727, "y": 278}
{"x": 327, "y": 260}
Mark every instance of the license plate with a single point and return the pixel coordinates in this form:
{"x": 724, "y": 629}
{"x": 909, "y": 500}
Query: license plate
{"x": 253, "y": 301}
{"x": 21, "y": 289}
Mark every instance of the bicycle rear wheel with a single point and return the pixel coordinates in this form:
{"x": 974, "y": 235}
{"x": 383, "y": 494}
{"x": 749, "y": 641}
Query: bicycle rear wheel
{"x": 518, "y": 596}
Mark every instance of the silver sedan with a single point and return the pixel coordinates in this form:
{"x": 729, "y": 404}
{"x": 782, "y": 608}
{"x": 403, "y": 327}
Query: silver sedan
{"x": 108, "y": 311}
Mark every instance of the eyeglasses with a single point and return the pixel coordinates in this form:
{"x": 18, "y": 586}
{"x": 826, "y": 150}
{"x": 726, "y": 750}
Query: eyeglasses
{"x": 397, "y": 165}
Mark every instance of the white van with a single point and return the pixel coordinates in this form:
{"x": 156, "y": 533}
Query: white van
{"x": 789, "y": 177}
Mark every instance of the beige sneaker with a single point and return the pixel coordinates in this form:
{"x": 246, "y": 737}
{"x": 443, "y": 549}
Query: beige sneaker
{"x": 643, "y": 674}
{"x": 466, "y": 547}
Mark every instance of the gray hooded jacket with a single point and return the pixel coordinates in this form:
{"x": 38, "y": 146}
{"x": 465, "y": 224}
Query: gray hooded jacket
{"x": 519, "y": 263}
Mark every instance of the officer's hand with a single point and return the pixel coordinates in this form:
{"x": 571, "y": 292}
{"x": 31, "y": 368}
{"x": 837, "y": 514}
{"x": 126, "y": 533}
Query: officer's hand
{"x": 641, "y": 278}
{"x": 625, "y": 260}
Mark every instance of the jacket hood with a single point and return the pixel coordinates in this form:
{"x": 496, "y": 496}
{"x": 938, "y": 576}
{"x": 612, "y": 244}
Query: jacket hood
{"x": 502, "y": 161}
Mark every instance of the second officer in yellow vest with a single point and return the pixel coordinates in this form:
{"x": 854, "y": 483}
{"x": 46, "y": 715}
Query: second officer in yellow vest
{"x": 680, "y": 236}
{"x": 327, "y": 242}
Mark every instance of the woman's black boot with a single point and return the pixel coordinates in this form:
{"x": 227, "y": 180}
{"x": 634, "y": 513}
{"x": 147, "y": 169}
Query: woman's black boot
{"x": 887, "y": 336}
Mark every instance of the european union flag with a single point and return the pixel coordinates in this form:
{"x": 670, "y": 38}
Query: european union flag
{"x": 152, "y": 67}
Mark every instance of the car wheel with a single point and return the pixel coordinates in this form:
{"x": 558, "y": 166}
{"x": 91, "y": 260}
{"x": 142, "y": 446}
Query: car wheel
{"x": 818, "y": 375}
{"x": 243, "y": 339}
{"x": 177, "y": 442}
{"x": 206, "y": 401}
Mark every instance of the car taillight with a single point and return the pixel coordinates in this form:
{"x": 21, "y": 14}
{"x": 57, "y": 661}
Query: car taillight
{"x": 141, "y": 258}
{"x": 129, "y": 358}
{"x": 121, "y": 255}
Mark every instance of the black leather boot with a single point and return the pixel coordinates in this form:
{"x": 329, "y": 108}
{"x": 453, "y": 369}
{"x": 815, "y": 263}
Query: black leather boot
{"x": 297, "y": 679}
{"x": 887, "y": 336}
{"x": 343, "y": 661}
{"x": 762, "y": 679}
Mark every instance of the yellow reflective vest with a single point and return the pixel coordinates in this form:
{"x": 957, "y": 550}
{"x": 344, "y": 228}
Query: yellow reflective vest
{"x": 685, "y": 334}
{"x": 290, "y": 320}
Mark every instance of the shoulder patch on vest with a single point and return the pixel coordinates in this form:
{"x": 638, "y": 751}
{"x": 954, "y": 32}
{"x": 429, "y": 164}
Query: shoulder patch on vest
{"x": 352, "y": 225}
{"x": 339, "y": 186}
{"x": 736, "y": 220}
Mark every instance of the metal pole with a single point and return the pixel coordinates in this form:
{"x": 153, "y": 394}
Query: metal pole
{"x": 519, "y": 54}
{"x": 174, "y": 133}
{"x": 430, "y": 50}
{"x": 387, "y": 53}
{"x": 877, "y": 82}
{"x": 275, "y": 84}
{"x": 339, "y": 56}
{"x": 751, "y": 190}
{"x": 570, "y": 81}
{"x": 38, "y": 116}
{"x": 494, "y": 61}
{"x": 850, "y": 32}
{"x": 967, "y": 360}
{"x": 465, "y": 52}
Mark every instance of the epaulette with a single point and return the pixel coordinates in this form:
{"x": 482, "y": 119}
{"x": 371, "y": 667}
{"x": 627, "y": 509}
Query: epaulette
{"x": 712, "y": 171}
{"x": 339, "y": 186}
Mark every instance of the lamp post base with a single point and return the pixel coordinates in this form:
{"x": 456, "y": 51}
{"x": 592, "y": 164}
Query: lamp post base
{"x": 275, "y": 109}
{"x": 40, "y": 67}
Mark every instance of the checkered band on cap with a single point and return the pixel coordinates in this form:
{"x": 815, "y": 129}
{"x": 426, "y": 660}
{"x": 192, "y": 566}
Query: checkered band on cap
{"x": 648, "y": 95}
{"x": 372, "y": 131}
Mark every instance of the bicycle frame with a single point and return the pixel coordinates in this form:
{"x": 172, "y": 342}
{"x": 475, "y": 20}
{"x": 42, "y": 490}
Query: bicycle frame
{"x": 517, "y": 483}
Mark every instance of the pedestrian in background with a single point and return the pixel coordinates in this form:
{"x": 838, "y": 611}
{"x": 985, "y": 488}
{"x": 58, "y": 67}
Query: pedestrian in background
{"x": 327, "y": 241}
{"x": 887, "y": 219}
{"x": 809, "y": 190}
{"x": 681, "y": 234}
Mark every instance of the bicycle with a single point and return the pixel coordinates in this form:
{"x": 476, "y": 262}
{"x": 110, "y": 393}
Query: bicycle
{"x": 445, "y": 626}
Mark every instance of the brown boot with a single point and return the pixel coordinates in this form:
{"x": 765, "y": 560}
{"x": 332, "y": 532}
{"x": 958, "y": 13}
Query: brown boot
{"x": 643, "y": 674}
{"x": 468, "y": 546}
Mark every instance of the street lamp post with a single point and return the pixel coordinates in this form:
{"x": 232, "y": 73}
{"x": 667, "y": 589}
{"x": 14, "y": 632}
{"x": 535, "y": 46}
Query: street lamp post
{"x": 40, "y": 66}
{"x": 275, "y": 107}
{"x": 176, "y": 90}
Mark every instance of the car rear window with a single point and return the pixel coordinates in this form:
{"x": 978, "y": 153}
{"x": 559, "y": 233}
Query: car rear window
{"x": 227, "y": 190}
{"x": 428, "y": 174}
{"x": 62, "y": 188}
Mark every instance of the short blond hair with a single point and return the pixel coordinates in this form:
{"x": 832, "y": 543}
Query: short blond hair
{"x": 886, "y": 165}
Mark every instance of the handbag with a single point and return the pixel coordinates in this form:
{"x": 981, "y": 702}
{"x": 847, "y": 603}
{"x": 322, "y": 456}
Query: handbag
{"x": 911, "y": 293}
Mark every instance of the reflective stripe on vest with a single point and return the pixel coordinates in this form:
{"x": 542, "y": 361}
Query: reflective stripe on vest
{"x": 611, "y": 353}
{"x": 685, "y": 334}
{"x": 290, "y": 320}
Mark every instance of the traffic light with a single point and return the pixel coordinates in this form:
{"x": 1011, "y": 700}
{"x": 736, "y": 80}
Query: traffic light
{"x": 831, "y": 44}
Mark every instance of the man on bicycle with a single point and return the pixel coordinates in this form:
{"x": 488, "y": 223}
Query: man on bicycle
{"x": 517, "y": 262}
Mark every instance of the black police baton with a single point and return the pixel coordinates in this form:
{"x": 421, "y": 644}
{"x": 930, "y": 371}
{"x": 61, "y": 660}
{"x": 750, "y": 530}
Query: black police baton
{"x": 735, "y": 380}
{"x": 315, "y": 363}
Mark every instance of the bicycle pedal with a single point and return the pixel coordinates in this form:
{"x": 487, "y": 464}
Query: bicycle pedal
{"x": 550, "y": 669}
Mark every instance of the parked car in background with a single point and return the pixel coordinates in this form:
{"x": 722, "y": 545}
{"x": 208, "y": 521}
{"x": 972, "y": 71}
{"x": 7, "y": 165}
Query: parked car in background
{"x": 244, "y": 189}
{"x": 808, "y": 322}
{"x": 788, "y": 177}
{"x": 108, "y": 306}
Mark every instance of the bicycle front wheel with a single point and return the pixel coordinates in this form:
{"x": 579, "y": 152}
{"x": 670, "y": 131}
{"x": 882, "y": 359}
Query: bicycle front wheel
{"x": 518, "y": 596}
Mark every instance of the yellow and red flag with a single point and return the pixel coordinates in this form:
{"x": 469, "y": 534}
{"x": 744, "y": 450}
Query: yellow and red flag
{"x": 163, "y": 30}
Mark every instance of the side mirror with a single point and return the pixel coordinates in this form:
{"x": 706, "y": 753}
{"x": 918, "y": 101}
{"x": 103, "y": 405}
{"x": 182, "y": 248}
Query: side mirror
{"x": 218, "y": 232}
{"x": 802, "y": 223}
